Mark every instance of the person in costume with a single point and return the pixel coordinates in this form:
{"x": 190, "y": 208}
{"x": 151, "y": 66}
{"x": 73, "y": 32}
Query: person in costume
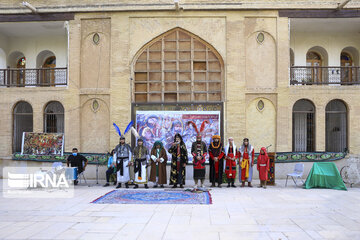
{"x": 199, "y": 152}
{"x": 263, "y": 166}
{"x": 178, "y": 162}
{"x": 140, "y": 162}
{"x": 158, "y": 165}
{"x": 216, "y": 160}
{"x": 111, "y": 168}
{"x": 246, "y": 162}
{"x": 122, "y": 156}
{"x": 231, "y": 156}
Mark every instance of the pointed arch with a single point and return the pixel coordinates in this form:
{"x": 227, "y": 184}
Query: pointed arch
{"x": 177, "y": 66}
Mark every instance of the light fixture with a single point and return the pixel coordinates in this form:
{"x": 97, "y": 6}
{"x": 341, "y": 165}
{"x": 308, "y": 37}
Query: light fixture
{"x": 29, "y": 6}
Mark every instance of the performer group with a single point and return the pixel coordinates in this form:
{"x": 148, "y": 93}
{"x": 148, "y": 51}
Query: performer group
{"x": 221, "y": 160}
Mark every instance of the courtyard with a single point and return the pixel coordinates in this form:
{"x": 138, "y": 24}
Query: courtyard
{"x": 277, "y": 212}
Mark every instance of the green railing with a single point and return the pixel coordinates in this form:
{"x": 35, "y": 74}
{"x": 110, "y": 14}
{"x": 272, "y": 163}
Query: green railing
{"x": 281, "y": 157}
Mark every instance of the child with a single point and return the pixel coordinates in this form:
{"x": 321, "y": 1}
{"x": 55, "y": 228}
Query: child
{"x": 263, "y": 165}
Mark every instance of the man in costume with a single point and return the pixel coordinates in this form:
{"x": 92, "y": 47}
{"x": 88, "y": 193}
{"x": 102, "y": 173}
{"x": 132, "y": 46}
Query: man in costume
{"x": 158, "y": 165}
{"x": 199, "y": 152}
{"x": 77, "y": 160}
{"x": 231, "y": 155}
{"x": 246, "y": 162}
{"x": 122, "y": 154}
{"x": 140, "y": 155}
{"x": 178, "y": 162}
{"x": 263, "y": 166}
{"x": 216, "y": 160}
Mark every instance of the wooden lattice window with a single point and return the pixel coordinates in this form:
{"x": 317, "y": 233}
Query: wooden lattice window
{"x": 178, "y": 67}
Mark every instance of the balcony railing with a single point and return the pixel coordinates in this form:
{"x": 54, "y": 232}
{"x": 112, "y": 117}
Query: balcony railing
{"x": 324, "y": 75}
{"x": 39, "y": 77}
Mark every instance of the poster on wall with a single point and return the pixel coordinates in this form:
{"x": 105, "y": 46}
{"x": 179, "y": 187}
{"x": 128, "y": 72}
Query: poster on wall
{"x": 163, "y": 125}
{"x": 42, "y": 143}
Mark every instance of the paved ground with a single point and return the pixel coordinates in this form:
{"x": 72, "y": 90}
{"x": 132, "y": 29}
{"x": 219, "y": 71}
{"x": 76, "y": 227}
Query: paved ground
{"x": 241, "y": 213}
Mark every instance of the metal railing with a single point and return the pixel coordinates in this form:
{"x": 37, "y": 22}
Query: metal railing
{"x": 303, "y": 75}
{"x": 38, "y": 77}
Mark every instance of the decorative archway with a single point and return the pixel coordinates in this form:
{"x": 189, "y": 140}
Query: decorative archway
{"x": 177, "y": 66}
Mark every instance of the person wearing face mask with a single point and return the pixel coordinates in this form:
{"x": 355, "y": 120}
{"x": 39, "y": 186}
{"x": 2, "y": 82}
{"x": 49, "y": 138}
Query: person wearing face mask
{"x": 77, "y": 160}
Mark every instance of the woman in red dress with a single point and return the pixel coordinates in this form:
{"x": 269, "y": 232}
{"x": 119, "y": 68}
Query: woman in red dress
{"x": 263, "y": 165}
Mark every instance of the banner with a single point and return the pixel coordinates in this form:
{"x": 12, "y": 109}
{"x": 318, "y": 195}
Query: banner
{"x": 163, "y": 125}
{"x": 42, "y": 143}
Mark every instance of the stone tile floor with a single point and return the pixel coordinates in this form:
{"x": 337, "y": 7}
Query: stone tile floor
{"x": 242, "y": 213}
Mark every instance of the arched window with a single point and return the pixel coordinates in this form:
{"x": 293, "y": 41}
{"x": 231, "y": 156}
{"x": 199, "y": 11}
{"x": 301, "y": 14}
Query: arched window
{"x": 336, "y": 126}
{"x": 54, "y": 118}
{"x": 178, "y": 67}
{"x": 303, "y": 126}
{"x": 314, "y": 61}
{"x": 23, "y": 122}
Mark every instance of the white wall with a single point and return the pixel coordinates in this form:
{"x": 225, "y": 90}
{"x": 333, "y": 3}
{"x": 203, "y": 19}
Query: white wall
{"x": 3, "y": 50}
{"x": 332, "y": 42}
{"x": 32, "y": 46}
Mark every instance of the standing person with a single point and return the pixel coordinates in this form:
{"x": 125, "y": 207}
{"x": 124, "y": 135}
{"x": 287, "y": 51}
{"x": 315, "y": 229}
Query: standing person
{"x": 111, "y": 168}
{"x": 122, "y": 155}
{"x": 77, "y": 160}
{"x": 216, "y": 160}
{"x": 263, "y": 166}
{"x": 246, "y": 162}
{"x": 140, "y": 154}
{"x": 231, "y": 155}
{"x": 178, "y": 162}
{"x": 158, "y": 164}
{"x": 199, "y": 152}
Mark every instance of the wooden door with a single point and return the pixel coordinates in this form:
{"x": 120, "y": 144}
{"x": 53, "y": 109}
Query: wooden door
{"x": 346, "y": 70}
{"x": 20, "y": 73}
{"x": 48, "y": 75}
{"x": 314, "y": 62}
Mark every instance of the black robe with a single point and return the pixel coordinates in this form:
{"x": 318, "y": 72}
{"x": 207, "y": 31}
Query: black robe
{"x": 216, "y": 152}
{"x": 175, "y": 171}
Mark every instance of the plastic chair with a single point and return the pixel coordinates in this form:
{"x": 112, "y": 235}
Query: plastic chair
{"x": 56, "y": 166}
{"x": 297, "y": 174}
{"x": 83, "y": 176}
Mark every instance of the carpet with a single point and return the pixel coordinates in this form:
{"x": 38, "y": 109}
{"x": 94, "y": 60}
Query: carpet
{"x": 153, "y": 197}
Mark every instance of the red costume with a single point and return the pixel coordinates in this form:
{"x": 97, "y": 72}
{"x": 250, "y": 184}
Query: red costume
{"x": 263, "y": 165}
{"x": 231, "y": 155}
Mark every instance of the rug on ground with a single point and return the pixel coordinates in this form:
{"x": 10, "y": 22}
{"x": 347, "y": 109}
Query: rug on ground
{"x": 154, "y": 197}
